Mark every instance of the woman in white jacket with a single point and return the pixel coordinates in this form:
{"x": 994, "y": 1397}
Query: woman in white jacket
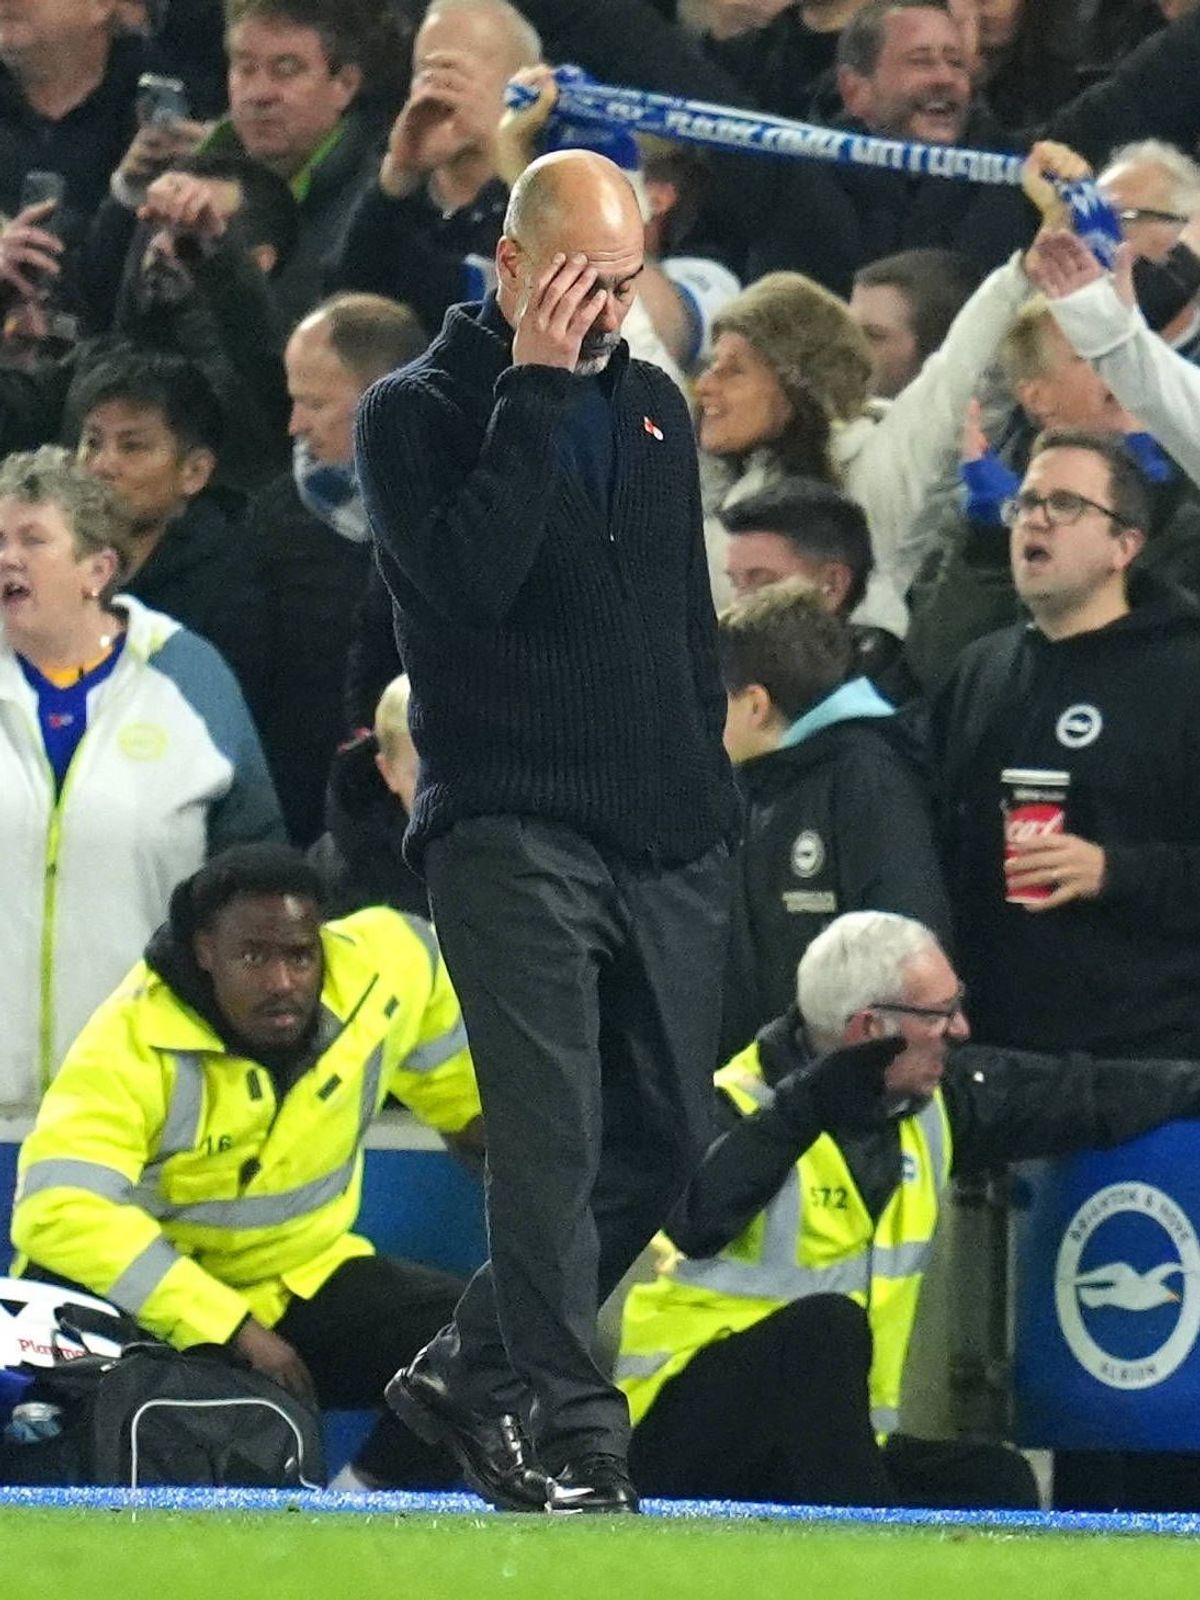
{"x": 126, "y": 756}
{"x": 796, "y": 339}
{"x": 786, "y": 342}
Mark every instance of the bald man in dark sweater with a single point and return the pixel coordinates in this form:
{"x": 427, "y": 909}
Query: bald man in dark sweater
{"x": 535, "y": 502}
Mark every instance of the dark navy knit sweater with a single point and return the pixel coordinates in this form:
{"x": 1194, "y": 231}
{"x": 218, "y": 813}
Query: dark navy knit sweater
{"x": 562, "y": 654}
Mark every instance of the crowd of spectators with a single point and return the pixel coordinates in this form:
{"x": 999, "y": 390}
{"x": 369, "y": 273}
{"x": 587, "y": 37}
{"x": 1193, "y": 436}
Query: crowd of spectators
{"x": 951, "y": 466}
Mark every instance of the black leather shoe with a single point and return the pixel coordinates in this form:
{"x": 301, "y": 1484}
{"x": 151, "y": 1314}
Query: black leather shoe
{"x": 491, "y": 1451}
{"x": 593, "y": 1483}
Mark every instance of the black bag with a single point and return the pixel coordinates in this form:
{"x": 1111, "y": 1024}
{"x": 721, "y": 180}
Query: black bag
{"x": 156, "y": 1415}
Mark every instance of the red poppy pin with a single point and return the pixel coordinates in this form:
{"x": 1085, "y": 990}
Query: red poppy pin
{"x": 652, "y": 428}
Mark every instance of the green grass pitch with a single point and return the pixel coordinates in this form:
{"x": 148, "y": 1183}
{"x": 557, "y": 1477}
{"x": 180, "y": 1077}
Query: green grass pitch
{"x": 166, "y": 1555}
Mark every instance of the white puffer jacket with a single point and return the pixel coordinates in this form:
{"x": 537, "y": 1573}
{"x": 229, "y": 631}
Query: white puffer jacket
{"x": 169, "y": 769}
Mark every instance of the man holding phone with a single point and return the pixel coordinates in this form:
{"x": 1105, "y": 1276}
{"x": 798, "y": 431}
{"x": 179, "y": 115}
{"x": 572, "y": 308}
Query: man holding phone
{"x": 165, "y": 135}
{"x": 68, "y": 91}
{"x": 295, "y": 71}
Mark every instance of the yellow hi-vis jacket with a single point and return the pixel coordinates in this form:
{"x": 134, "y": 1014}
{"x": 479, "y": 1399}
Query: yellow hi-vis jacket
{"x": 165, "y": 1175}
{"x": 815, "y": 1237}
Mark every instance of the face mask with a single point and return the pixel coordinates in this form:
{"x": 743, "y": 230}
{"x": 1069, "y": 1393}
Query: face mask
{"x": 1165, "y": 288}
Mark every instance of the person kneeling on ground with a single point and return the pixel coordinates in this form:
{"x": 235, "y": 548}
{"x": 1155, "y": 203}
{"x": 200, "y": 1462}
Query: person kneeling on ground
{"x": 765, "y": 1361}
{"x": 198, "y": 1160}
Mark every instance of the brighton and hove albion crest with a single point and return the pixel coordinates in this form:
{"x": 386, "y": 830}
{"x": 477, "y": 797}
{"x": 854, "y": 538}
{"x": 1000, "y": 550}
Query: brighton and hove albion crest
{"x": 808, "y": 853}
{"x": 1127, "y": 1285}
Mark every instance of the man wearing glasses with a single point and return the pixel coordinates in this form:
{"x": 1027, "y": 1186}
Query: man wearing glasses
{"x": 1082, "y": 935}
{"x": 1155, "y": 191}
{"x": 765, "y": 1360}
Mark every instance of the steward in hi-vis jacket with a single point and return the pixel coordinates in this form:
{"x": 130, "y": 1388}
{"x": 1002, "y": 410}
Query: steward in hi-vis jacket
{"x": 765, "y": 1360}
{"x": 198, "y": 1160}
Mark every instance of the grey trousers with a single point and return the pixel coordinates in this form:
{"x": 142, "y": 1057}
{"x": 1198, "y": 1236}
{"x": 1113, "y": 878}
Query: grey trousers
{"x": 591, "y": 994}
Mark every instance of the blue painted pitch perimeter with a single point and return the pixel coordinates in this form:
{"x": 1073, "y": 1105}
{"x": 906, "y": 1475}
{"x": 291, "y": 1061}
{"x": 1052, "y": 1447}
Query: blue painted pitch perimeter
{"x": 327, "y": 1501}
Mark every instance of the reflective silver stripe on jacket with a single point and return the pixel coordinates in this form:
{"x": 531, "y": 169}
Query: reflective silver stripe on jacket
{"x": 900, "y": 1260}
{"x": 181, "y": 1129}
{"x": 776, "y": 1275}
{"x": 775, "y": 1280}
{"x": 631, "y": 1366}
{"x": 932, "y": 1121}
{"x": 142, "y": 1276}
{"x": 372, "y": 1073}
{"x": 436, "y": 1052}
{"x": 63, "y": 1173}
{"x": 254, "y": 1210}
{"x": 428, "y": 938}
{"x": 271, "y": 1210}
{"x": 885, "y": 1419}
{"x": 758, "y": 1089}
{"x": 181, "y": 1126}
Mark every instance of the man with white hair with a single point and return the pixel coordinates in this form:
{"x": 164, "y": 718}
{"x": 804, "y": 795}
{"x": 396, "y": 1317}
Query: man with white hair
{"x": 1155, "y": 190}
{"x": 765, "y": 1361}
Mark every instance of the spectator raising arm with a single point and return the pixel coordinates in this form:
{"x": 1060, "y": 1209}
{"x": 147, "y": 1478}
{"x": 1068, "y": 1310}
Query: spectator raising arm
{"x": 1097, "y": 313}
{"x": 904, "y": 456}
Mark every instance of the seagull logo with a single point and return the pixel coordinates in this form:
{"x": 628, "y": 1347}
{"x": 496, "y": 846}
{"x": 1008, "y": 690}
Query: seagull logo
{"x": 1113, "y": 1350}
{"x": 1123, "y": 1286}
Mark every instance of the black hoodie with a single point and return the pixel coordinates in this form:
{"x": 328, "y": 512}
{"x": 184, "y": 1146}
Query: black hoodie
{"x": 840, "y": 822}
{"x": 199, "y": 574}
{"x": 1118, "y": 708}
{"x": 360, "y": 859}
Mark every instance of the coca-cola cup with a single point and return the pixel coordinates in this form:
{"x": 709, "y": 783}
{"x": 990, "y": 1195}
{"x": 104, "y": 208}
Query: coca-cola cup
{"x": 1034, "y": 807}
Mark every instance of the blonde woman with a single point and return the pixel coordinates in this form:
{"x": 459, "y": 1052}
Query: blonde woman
{"x": 126, "y": 755}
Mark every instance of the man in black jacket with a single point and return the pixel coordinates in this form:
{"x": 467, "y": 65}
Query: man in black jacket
{"x": 1098, "y": 687}
{"x": 535, "y": 502}
{"x": 903, "y": 74}
{"x": 972, "y": 593}
{"x": 68, "y": 84}
{"x": 150, "y": 426}
{"x": 295, "y": 71}
{"x": 426, "y": 232}
{"x": 841, "y": 1125}
{"x": 310, "y": 544}
{"x": 837, "y": 817}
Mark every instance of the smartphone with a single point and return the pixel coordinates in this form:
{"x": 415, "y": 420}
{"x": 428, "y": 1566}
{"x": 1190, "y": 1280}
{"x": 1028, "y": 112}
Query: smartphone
{"x": 39, "y": 186}
{"x": 160, "y": 101}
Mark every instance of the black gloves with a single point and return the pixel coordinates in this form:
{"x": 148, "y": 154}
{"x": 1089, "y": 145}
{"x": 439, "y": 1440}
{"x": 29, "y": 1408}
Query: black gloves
{"x": 844, "y": 1090}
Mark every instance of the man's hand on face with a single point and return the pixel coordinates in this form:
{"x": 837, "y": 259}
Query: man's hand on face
{"x": 1073, "y": 867}
{"x": 554, "y": 317}
{"x": 275, "y": 1357}
{"x": 184, "y": 204}
{"x": 845, "y": 1089}
{"x": 439, "y": 121}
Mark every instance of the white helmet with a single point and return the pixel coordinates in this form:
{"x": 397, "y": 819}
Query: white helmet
{"x": 37, "y": 1329}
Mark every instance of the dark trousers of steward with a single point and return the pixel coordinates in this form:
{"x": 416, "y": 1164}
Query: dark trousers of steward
{"x": 591, "y": 993}
{"x": 366, "y": 1321}
{"x": 780, "y": 1413}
